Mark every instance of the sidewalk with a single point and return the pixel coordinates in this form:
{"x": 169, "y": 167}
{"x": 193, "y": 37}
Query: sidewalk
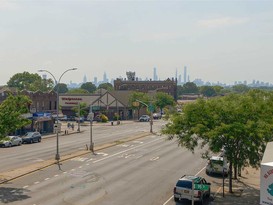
{"x": 246, "y": 190}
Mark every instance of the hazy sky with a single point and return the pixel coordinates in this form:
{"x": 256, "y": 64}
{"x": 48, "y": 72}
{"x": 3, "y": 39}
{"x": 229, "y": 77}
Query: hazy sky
{"x": 217, "y": 40}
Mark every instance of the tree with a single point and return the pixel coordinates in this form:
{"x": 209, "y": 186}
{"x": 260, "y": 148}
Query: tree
{"x": 242, "y": 123}
{"x": 90, "y": 87}
{"x": 138, "y": 96}
{"x": 77, "y": 91}
{"x": 62, "y": 88}
{"x": 11, "y": 111}
{"x": 106, "y": 86}
{"x": 207, "y": 91}
{"x": 81, "y": 109}
{"x": 31, "y": 82}
{"x": 163, "y": 99}
{"x": 241, "y": 88}
{"x": 190, "y": 88}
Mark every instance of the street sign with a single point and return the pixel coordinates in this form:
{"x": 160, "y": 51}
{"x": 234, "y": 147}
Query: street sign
{"x": 136, "y": 104}
{"x": 203, "y": 187}
{"x": 151, "y": 108}
{"x": 95, "y": 108}
{"x": 90, "y": 116}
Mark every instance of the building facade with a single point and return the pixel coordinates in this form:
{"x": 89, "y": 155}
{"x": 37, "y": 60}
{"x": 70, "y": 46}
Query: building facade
{"x": 168, "y": 86}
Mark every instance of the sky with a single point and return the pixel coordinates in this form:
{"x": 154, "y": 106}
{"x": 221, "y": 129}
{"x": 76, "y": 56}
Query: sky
{"x": 217, "y": 40}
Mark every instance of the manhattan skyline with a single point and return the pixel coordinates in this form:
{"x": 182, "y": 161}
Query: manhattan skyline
{"x": 218, "y": 41}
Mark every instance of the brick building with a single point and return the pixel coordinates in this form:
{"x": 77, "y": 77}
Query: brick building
{"x": 168, "y": 86}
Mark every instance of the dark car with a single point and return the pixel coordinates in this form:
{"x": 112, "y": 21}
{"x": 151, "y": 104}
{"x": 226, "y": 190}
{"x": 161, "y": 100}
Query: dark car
{"x": 31, "y": 137}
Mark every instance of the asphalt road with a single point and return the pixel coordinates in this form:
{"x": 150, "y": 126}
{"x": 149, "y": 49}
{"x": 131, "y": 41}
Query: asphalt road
{"x": 18, "y": 156}
{"x": 138, "y": 172}
{"x": 142, "y": 171}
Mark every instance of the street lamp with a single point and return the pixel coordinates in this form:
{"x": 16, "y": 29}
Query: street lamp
{"x": 151, "y": 109}
{"x": 57, "y": 156}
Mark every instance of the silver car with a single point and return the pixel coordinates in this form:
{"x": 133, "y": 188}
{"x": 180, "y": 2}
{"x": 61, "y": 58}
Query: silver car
{"x": 11, "y": 141}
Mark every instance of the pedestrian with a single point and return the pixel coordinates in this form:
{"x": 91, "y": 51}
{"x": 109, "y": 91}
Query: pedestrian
{"x": 72, "y": 126}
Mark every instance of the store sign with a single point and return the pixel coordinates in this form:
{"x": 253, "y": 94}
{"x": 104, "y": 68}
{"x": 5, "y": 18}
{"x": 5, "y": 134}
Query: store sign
{"x": 266, "y": 188}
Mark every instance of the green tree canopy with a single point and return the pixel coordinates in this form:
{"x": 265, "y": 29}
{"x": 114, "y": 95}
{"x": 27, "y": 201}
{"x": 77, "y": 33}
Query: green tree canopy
{"x": 89, "y": 86}
{"x": 77, "y": 91}
{"x": 190, "y": 88}
{"x": 106, "y": 86}
{"x": 207, "y": 91}
{"x": 163, "y": 99}
{"x": 11, "y": 114}
{"x": 81, "y": 110}
{"x": 134, "y": 99}
{"x": 241, "y": 88}
{"x": 62, "y": 88}
{"x": 242, "y": 123}
{"x": 31, "y": 82}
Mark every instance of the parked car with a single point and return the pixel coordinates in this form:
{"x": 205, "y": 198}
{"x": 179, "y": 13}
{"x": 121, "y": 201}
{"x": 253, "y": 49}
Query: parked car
{"x": 81, "y": 119}
{"x": 11, "y": 141}
{"x": 144, "y": 118}
{"x": 64, "y": 118}
{"x": 157, "y": 116}
{"x": 183, "y": 188}
{"x": 31, "y": 137}
{"x": 217, "y": 165}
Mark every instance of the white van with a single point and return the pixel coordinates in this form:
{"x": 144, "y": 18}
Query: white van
{"x": 217, "y": 165}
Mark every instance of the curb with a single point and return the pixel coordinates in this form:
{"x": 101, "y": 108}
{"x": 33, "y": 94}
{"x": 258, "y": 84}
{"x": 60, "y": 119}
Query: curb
{"x": 23, "y": 171}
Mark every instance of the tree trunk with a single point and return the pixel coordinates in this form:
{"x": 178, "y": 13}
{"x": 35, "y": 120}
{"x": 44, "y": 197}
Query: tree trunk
{"x": 239, "y": 171}
{"x": 235, "y": 171}
{"x": 230, "y": 177}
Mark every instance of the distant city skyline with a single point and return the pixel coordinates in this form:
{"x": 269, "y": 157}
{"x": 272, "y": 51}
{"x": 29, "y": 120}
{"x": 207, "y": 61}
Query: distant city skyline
{"x": 218, "y": 41}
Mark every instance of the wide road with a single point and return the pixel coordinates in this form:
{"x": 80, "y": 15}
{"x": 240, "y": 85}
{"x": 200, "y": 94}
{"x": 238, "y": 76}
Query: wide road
{"x": 15, "y": 157}
{"x": 141, "y": 172}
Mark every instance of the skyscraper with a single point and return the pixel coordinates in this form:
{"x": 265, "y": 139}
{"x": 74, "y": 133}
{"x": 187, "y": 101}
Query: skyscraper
{"x": 185, "y": 74}
{"x": 84, "y": 79}
{"x": 155, "y": 74}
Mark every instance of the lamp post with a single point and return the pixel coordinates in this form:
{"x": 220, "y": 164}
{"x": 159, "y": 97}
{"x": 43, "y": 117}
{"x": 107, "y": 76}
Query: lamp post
{"x": 57, "y": 156}
{"x": 151, "y": 109}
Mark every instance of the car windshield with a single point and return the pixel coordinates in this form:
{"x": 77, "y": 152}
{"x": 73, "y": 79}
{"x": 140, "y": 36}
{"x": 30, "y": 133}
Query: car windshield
{"x": 218, "y": 162}
{"x": 184, "y": 184}
{"x": 29, "y": 134}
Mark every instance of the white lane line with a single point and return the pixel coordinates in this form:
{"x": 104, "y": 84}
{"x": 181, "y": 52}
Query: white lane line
{"x": 154, "y": 158}
{"x": 87, "y": 164}
{"x": 194, "y": 175}
{"x": 80, "y": 167}
{"x": 56, "y": 175}
{"x": 64, "y": 172}
{"x": 47, "y": 179}
{"x": 24, "y": 187}
{"x": 36, "y": 182}
{"x": 118, "y": 153}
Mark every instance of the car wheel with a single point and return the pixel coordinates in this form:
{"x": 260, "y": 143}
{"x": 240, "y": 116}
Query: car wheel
{"x": 9, "y": 145}
{"x": 19, "y": 144}
{"x": 31, "y": 141}
{"x": 39, "y": 140}
{"x": 176, "y": 199}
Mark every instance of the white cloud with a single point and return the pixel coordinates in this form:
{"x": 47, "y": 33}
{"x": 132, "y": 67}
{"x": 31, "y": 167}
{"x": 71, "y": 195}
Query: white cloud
{"x": 221, "y": 22}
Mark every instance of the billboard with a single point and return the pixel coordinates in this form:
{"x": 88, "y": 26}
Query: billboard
{"x": 266, "y": 184}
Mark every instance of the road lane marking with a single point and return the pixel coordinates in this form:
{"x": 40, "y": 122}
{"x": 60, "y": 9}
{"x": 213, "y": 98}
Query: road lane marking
{"x": 36, "y": 182}
{"x": 56, "y": 175}
{"x": 154, "y": 158}
{"x": 24, "y": 187}
{"x": 118, "y": 153}
{"x": 47, "y": 179}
